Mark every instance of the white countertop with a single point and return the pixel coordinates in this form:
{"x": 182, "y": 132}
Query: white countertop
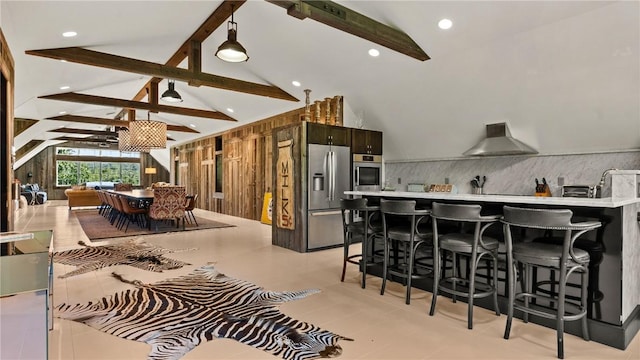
{"x": 508, "y": 199}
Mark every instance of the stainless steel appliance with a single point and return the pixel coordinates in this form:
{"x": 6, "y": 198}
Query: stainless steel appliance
{"x": 328, "y": 179}
{"x": 580, "y": 191}
{"x": 367, "y": 172}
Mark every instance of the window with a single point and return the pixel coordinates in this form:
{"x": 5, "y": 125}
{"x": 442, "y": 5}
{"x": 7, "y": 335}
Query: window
{"x": 95, "y": 152}
{"x": 72, "y": 172}
{"x": 78, "y": 172}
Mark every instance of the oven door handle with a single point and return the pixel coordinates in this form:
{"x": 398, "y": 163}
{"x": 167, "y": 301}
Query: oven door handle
{"x": 357, "y": 180}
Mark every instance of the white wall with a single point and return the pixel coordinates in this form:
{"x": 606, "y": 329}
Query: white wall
{"x": 567, "y": 87}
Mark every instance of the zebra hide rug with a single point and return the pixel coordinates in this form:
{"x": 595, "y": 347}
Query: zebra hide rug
{"x": 176, "y": 315}
{"x": 134, "y": 253}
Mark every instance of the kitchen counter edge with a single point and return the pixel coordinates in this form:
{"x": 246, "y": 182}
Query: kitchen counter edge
{"x": 509, "y": 199}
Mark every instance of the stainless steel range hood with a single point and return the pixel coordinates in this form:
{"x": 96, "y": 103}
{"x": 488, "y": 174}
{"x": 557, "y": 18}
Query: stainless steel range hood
{"x": 499, "y": 142}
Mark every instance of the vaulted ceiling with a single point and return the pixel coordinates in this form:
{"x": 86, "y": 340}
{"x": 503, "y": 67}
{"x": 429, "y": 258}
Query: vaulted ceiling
{"x": 527, "y": 62}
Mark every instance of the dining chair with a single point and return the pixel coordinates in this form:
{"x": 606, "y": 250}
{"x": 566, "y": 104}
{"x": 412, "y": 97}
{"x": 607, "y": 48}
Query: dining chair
{"x": 190, "y": 204}
{"x": 168, "y": 204}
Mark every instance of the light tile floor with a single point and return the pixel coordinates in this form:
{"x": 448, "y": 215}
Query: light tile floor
{"x": 382, "y": 327}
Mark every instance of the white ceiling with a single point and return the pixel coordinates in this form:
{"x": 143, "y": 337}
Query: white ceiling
{"x": 546, "y": 67}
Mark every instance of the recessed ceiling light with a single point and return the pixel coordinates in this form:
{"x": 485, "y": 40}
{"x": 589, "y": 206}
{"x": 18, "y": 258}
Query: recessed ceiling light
{"x": 374, "y": 52}
{"x": 296, "y": 83}
{"x": 230, "y": 110}
{"x": 64, "y": 87}
{"x": 63, "y": 60}
{"x": 62, "y": 112}
{"x": 192, "y": 125}
{"x": 69, "y": 34}
{"x": 445, "y": 24}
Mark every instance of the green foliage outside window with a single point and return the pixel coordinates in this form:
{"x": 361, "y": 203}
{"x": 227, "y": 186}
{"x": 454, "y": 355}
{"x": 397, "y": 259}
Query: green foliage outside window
{"x": 79, "y": 172}
{"x": 67, "y": 173}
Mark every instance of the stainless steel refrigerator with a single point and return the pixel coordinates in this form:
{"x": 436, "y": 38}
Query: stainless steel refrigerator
{"x": 329, "y": 169}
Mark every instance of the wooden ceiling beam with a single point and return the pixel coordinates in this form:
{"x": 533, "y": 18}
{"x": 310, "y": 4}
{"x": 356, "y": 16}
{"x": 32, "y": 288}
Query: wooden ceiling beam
{"x": 90, "y": 132}
{"x": 352, "y": 22}
{"x": 107, "y": 101}
{"x": 87, "y": 139}
{"x": 111, "y": 122}
{"x": 115, "y": 62}
{"x": 84, "y": 132}
{"x": 217, "y": 18}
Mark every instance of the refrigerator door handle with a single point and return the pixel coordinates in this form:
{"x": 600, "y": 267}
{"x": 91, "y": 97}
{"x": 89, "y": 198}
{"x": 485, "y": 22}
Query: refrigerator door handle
{"x": 327, "y": 184}
{"x": 333, "y": 176}
{"x": 330, "y": 174}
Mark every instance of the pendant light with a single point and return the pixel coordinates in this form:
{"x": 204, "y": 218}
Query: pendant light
{"x": 231, "y": 50}
{"x": 171, "y": 95}
{"x": 148, "y": 134}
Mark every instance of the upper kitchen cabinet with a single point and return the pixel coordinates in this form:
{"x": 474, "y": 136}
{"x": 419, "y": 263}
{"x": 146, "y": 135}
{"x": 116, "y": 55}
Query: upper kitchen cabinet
{"x": 328, "y": 135}
{"x": 366, "y": 142}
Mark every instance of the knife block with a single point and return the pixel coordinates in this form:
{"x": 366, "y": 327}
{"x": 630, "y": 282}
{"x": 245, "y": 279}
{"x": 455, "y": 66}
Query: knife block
{"x": 543, "y": 190}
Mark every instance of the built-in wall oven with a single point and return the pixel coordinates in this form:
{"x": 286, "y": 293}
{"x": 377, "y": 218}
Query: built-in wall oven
{"x": 367, "y": 172}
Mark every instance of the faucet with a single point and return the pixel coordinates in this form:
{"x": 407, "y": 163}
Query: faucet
{"x": 600, "y": 185}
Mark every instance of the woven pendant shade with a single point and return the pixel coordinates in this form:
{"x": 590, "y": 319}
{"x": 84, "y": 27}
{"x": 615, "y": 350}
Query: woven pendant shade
{"x": 148, "y": 134}
{"x": 124, "y": 142}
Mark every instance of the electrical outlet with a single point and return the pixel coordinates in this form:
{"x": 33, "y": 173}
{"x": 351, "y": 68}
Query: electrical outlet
{"x": 399, "y": 181}
{"x": 560, "y": 180}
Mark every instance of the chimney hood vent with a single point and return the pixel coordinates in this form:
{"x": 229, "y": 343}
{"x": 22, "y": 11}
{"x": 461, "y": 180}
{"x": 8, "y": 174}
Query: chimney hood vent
{"x": 499, "y": 142}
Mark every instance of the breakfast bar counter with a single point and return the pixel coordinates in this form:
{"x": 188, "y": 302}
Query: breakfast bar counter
{"x": 505, "y": 199}
{"x": 616, "y": 317}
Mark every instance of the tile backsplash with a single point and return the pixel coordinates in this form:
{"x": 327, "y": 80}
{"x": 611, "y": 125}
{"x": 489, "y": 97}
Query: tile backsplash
{"x": 513, "y": 174}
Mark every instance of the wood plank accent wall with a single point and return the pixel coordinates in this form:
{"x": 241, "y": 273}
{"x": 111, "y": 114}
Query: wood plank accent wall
{"x": 7, "y": 69}
{"x": 247, "y": 166}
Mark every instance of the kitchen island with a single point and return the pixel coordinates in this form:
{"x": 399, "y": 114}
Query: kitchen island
{"x": 615, "y": 319}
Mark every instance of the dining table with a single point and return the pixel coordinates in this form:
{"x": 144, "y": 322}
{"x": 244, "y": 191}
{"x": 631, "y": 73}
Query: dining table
{"x": 135, "y": 194}
{"x": 142, "y": 198}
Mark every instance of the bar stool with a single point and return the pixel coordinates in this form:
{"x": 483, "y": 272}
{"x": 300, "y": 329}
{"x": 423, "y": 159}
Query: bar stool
{"x": 404, "y": 224}
{"x": 565, "y": 259}
{"x": 359, "y": 229}
{"x": 596, "y": 250}
{"x": 474, "y": 246}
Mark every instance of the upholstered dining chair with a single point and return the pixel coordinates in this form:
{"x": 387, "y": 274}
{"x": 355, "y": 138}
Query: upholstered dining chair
{"x": 123, "y": 187}
{"x": 130, "y": 213}
{"x": 189, "y": 205}
{"x": 168, "y": 204}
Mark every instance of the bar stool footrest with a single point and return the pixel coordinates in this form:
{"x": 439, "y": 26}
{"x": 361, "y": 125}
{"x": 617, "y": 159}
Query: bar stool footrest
{"x": 549, "y": 313}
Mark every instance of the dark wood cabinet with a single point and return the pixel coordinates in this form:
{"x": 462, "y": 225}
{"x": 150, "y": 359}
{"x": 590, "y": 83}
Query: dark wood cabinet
{"x": 366, "y": 142}
{"x": 327, "y": 134}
